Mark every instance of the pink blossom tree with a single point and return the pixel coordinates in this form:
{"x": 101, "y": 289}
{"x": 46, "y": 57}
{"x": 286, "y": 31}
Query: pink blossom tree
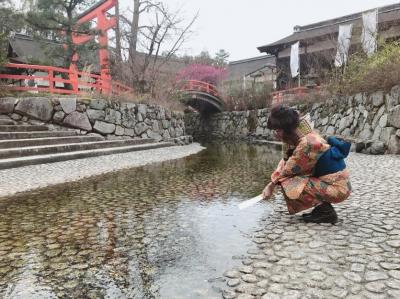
{"x": 201, "y": 72}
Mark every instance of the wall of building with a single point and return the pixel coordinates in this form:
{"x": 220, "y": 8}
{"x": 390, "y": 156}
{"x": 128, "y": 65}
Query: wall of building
{"x": 241, "y": 68}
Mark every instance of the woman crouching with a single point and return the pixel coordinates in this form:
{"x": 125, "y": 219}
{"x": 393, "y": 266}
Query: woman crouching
{"x": 313, "y": 173}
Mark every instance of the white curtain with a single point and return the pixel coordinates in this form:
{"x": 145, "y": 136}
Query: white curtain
{"x": 344, "y": 41}
{"x": 369, "y": 32}
{"x": 295, "y": 60}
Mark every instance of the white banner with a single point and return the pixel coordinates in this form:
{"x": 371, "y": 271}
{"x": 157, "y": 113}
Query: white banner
{"x": 369, "y": 32}
{"x": 344, "y": 41}
{"x": 295, "y": 60}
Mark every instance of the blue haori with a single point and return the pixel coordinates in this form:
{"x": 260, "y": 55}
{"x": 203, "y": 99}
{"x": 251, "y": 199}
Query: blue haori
{"x": 332, "y": 160}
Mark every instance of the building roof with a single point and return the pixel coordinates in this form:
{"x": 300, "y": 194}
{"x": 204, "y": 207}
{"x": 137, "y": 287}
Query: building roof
{"x": 26, "y": 49}
{"x": 240, "y": 68}
{"x": 386, "y": 14}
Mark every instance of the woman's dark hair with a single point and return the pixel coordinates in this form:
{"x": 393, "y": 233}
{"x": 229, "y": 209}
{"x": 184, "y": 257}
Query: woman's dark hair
{"x": 283, "y": 117}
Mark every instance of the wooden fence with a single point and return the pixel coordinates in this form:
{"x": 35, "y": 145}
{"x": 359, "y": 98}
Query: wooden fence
{"x": 23, "y": 77}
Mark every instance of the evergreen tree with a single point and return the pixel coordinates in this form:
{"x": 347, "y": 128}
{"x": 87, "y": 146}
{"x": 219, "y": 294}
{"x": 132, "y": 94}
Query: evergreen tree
{"x": 203, "y": 58}
{"x": 57, "y": 20}
{"x": 10, "y": 20}
{"x": 221, "y": 58}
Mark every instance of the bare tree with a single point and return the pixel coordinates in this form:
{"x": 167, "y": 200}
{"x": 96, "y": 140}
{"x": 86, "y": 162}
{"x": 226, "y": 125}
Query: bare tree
{"x": 169, "y": 29}
{"x": 154, "y": 42}
{"x": 139, "y": 7}
{"x": 118, "y": 48}
{"x": 134, "y": 29}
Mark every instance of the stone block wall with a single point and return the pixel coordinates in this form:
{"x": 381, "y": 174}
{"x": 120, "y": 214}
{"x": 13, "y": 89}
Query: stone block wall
{"x": 230, "y": 125}
{"x": 371, "y": 121}
{"x": 112, "y": 119}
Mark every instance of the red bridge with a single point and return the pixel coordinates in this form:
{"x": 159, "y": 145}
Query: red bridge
{"x": 202, "y": 96}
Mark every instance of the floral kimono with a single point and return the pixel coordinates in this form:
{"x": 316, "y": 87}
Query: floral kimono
{"x": 295, "y": 175}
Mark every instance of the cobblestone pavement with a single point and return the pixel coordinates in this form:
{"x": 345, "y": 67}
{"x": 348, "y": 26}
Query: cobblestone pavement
{"x": 37, "y": 176}
{"x": 359, "y": 257}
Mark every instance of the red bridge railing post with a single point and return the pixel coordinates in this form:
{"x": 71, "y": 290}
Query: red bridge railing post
{"x": 50, "y": 74}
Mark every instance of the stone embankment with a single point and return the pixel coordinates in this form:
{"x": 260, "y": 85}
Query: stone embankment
{"x": 111, "y": 119}
{"x": 372, "y": 121}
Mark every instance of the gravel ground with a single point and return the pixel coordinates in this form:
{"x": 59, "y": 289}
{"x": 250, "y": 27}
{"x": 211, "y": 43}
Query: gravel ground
{"x": 38, "y": 176}
{"x": 359, "y": 257}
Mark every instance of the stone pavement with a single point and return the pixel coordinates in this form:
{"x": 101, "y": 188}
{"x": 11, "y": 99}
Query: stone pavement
{"x": 359, "y": 257}
{"x": 31, "y": 177}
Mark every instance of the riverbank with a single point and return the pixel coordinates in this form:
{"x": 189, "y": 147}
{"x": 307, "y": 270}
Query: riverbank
{"x": 27, "y": 178}
{"x": 359, "y": 257}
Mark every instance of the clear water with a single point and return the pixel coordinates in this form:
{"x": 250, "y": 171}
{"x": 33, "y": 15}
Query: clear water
{"x": 163, "y": 231}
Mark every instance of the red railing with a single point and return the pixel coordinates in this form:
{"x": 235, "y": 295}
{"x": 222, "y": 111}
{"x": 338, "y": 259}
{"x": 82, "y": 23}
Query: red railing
{"x": 281, "y": 95}
{"x": 194, "y": 85}
{"x": 80, "y": 82}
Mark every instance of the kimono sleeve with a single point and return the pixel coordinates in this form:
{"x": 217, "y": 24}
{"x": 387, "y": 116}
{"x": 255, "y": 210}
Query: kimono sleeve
{"x": 303, "y": 160}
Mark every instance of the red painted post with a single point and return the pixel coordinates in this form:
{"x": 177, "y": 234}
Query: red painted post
{"x": 50, "y": 74}
{"x": 102, "y": 24}
{"x": 73, "y": 77}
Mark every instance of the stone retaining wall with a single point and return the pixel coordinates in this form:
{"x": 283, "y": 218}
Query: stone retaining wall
{"x": 112, "y": 119}
{"x": 230, "y": 125}
{"x": 371, "y": 121}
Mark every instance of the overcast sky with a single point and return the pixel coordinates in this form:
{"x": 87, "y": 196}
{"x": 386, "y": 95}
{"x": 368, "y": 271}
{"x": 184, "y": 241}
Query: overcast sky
{"x": 241, "y": 26}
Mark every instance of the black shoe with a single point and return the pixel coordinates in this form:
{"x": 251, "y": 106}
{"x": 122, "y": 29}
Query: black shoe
{"x": 325, "y": 214}
{"x": 316, "y": 210}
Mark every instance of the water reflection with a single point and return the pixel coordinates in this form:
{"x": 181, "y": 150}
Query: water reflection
{"x": 155, "y": 232}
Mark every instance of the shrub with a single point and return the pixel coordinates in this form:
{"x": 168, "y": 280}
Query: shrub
{"x": 237, "y": 98}
{"x": 202, "y": 72}
{"x": 163, "y": 93}
{"x": 380, "y": 71}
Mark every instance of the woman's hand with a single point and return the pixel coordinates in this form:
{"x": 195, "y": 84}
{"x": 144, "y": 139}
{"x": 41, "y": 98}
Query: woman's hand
{"x": 268, "y": 191}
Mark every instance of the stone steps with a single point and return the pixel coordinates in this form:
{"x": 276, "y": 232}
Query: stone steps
{"x": 40, "y": 159}
{"x": 70, "y": 147}
{"x": 14, "y": 143}
{"x": 22, "y": 128}
{"x": 35, "y": 134}
{"x": 22, "y": 145}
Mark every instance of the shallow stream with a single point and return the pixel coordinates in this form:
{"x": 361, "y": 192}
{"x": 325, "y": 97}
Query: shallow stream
{"x": 162, "y": 231}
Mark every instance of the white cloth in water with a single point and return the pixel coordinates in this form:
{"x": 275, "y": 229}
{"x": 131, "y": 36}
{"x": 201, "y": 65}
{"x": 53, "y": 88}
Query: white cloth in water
{"x": 250, "y": 202}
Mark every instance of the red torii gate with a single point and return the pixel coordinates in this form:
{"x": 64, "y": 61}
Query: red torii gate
{"x": 101, "y": 83}
{"x": 98, "y": 11}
